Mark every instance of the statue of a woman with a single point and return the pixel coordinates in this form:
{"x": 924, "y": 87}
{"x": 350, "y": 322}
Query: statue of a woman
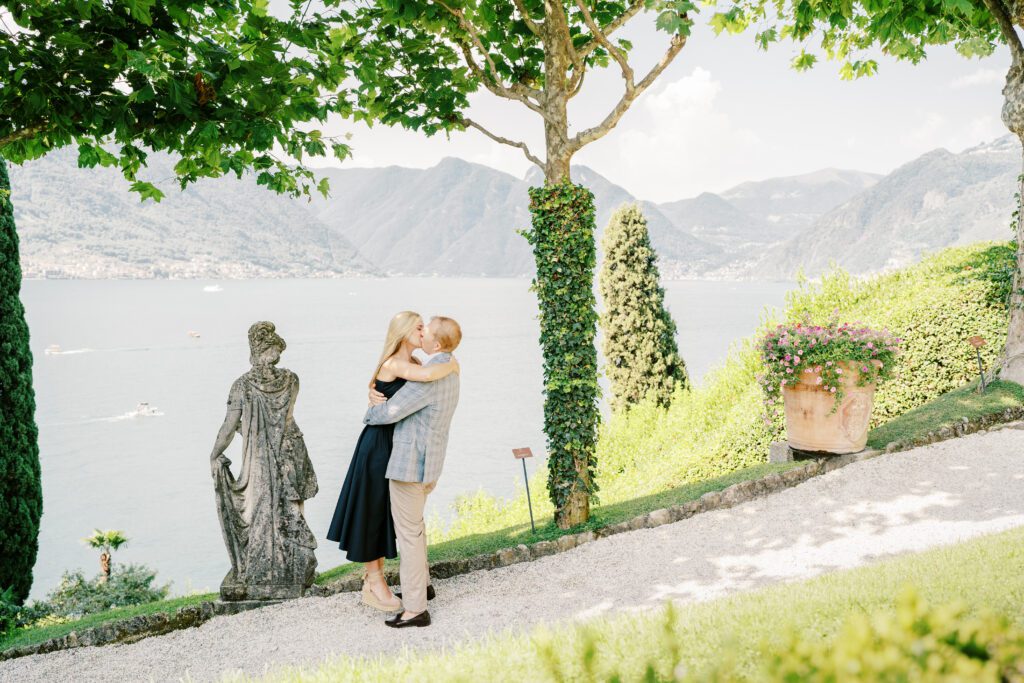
{"x": 261, "y": 512}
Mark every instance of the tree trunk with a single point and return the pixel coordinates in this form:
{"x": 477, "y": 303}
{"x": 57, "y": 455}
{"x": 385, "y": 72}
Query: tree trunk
{"x": 556, "y": 96}
{"x": 576, "y": 511}
{"x": 1012, "y": 361}
{"x": 558, "y": 157}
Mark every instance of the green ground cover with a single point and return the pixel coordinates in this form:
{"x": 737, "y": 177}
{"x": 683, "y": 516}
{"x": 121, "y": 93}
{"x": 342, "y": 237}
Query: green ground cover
{"x": 946, "y": 410}
{"x": 718, "y": 427}
{"x": 730, "y": 634}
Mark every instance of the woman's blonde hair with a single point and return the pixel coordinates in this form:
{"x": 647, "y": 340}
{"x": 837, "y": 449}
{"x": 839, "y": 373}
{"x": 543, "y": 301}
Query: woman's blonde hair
{"x": 398, "y": 329}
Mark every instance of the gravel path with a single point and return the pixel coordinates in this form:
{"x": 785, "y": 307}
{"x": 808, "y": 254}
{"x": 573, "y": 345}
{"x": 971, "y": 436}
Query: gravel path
{"x": 900, "y": 503}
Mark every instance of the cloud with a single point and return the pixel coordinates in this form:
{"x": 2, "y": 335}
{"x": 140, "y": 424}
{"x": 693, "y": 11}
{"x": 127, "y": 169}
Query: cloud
{"x": 979, "y": 77}
{"x": 929, "y": 132}
{"x": 983, "y": 129}
{"x": 934, "y": 130}
{"x": 683, "y": 143}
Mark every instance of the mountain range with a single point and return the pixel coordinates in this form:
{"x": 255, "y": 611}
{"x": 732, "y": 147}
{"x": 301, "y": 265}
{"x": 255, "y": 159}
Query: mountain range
{"x": 461, "y": 219}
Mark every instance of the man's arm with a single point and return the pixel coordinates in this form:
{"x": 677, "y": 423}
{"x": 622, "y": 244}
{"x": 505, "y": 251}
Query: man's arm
{"x": 411, "y": 398}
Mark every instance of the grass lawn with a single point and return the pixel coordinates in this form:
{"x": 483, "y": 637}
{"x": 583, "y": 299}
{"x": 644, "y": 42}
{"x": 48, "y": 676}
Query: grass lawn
{"x": 946, "y": 410}
{"x": 601, "y": 515}
{"x": 39, "y": 634}
{"x": 731, "y": 633}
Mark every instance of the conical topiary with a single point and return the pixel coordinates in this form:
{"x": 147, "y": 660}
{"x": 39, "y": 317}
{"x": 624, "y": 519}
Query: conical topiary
{"x": 639, "y": 334}
{"x": 21, "y": 496}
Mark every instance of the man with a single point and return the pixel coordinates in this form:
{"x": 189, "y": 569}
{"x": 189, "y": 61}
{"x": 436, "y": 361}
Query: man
{"x": 423, "y": 412}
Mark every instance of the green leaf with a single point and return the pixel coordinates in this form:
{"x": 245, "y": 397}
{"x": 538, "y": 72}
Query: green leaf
{"x": 139, "y": 9}
{"x": 324, "y": 187}
{"x": 804, "y": 61}
{"x": 147, "y": 191}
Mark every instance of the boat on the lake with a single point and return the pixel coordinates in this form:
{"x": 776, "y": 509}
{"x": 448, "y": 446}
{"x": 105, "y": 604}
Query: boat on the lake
{"x": 145, "y": 410}
{"x": 193, "y": 334}
{"x": 52, "y": 349}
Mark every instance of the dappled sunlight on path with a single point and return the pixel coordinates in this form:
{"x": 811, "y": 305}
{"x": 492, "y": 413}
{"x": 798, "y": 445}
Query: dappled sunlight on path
{"x": 899, "y": 503}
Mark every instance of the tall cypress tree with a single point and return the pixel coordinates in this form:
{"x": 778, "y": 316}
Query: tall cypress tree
{"x": 21, "y": 495}
{"x": 639, "y": 333}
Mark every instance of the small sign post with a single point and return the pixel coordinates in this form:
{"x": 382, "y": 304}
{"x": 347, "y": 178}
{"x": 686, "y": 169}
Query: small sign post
{"x": 522, "y": 454}
{"x": 977, "y": 342}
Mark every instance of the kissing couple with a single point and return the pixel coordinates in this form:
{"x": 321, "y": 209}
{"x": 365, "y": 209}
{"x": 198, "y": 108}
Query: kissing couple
{"x": 397, "y": 462}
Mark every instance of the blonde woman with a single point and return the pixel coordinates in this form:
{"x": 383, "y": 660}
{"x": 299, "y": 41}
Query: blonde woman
{"x": 362, "y": 524}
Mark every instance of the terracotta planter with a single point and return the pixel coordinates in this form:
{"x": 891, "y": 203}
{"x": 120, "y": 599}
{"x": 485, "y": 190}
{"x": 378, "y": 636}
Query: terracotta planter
{"x": 812, "y": 426}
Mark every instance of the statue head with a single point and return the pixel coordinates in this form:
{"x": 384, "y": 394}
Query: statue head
{"x": 265, "y": 345}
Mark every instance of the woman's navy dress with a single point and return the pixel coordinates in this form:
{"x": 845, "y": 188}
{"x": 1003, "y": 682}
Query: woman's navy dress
{"x": 362, "y": 524}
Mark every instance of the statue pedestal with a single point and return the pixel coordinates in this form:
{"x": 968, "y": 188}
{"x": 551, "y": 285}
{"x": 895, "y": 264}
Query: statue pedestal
{"x": 221, "y": 608}
{"x": 237, "y": 592}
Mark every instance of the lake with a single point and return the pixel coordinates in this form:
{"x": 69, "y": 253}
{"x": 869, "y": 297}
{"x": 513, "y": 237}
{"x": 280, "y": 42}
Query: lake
{"x": 126, "y": 342}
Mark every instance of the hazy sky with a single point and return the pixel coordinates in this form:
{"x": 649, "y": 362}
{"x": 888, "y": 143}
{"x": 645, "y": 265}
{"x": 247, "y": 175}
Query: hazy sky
{"x": 725, "y": 112}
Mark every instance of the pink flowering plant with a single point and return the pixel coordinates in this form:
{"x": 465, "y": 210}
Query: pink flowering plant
{"x": 821, "y": 355}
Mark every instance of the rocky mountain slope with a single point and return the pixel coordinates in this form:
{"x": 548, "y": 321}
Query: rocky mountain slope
{"x": 461, "y": 219}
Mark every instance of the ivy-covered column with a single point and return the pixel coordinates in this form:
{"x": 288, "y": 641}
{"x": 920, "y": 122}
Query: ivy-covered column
{"x": 562, "y": 237}
{"x": 21, "y": 496}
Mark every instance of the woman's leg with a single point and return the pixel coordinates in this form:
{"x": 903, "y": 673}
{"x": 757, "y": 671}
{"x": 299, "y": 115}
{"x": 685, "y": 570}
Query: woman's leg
{"x": 375, "y": 589}
{"x": 375, "y": 577}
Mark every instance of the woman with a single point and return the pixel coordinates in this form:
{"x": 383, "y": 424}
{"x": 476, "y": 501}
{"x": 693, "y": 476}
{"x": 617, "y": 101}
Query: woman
{"x": 362, "y": 524}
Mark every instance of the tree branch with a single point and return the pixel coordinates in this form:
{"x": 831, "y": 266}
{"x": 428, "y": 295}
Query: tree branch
{"x": 530, "y": 23}
{"x": 576, "y": 83}
{"x": 26, "y": 132}
{"x": 515, "y": 91}
{"x": 631, "y": 11}
{"x": 504, "y": 141}
{"x": 1002, "y": 17}
{"x": 600, "y": 37}
{"x": 587, "y": 136}
{"x": 497, "y": 88}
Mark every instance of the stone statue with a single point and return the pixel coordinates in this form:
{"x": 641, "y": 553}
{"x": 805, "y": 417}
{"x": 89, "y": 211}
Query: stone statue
{"x": 261, "y": 511}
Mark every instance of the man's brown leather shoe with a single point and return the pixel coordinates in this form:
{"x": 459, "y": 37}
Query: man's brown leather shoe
{"x": 430, "y": 592}
{"x": 421, "y": 619}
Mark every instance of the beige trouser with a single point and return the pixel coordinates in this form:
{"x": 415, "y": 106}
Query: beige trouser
{"x": 408, "y": 499}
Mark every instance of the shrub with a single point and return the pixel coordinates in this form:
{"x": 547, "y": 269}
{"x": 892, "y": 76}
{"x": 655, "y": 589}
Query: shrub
{"x": 130, "y": 584}
{"x": 639, "y": 333}
{"x": 9, "y": 611}
{"x": 913, "y": 643}
{"x": 21, "y": 495}
{"x": 14, "y": 615}
{"x": 562, "y": 237}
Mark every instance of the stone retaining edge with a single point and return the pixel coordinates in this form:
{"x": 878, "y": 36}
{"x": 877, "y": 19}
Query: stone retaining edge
{"x": 144, "y": 626}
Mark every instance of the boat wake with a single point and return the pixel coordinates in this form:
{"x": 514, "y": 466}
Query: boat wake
{"x": 141, "y": 410}
{"x": 70, "y": 352}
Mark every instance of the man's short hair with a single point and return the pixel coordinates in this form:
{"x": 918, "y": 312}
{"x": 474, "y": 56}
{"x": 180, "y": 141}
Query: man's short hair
{"x": 449, "y": 334}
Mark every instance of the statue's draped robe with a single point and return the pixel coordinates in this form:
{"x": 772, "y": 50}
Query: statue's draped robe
{"x": 270, "y": 544}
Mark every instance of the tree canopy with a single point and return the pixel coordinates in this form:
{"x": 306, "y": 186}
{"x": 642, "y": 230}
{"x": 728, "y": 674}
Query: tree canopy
{"x": 418, "y": 61}
{"x": 852, "y": 32}
{"x": 222, "y": 85}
